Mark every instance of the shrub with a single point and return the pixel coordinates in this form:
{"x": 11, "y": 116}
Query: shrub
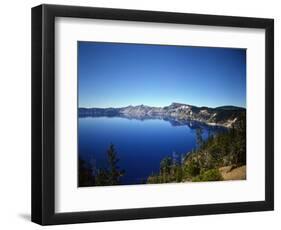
{"x": 192, "y": 168}
{"x": 209, "y": 175}
{"x": 154, "y": 179}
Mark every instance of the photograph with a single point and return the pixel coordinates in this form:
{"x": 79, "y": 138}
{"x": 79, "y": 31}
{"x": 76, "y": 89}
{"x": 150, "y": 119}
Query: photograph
{"x": 152, "y": 114}
{"x": 140, "y": 113}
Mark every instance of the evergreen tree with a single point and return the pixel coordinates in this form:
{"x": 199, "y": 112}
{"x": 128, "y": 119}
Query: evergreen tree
{"x": 199, "y": 137}
{"x": 227, "y": 148}
{"x": 85, "y": 176}
{"x": 101, "y": 177}
{"x": 165, "y": 168}
{"x": 241, "y": 140}
{"x": 114, "y": 173}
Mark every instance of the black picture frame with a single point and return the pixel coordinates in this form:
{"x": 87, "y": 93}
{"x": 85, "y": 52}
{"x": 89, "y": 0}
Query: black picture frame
{"x": 43, "y": 114}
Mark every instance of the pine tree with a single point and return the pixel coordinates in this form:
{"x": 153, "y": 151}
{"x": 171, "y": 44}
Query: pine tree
{"x": 199, "y": 138}
{"x": 86, "y": 177}
{"x": 165, "y": 169}
{"x": 114, "y": 173}
{"x": 241, "y": 140}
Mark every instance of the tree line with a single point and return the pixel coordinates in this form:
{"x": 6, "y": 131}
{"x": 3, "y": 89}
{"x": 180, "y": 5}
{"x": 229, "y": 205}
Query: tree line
{"x": 89, "y": 175}
{"x": 203, "y": 163}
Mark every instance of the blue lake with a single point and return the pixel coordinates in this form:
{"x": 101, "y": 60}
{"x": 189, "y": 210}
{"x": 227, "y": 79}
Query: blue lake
{"x": 140, "y": 144}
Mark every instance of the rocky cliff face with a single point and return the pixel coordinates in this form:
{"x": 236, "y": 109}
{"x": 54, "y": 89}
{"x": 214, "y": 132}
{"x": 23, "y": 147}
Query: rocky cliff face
{"x": 224, "y": 116}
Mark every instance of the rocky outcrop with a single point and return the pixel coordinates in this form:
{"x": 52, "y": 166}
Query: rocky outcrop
{"x": 224, "y": 116}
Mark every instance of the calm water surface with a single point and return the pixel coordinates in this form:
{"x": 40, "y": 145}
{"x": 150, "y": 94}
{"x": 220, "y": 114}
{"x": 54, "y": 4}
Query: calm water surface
{"x": 140, "y": 144}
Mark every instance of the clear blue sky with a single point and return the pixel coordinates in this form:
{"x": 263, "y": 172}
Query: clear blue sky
{"x": 116, "y": 75}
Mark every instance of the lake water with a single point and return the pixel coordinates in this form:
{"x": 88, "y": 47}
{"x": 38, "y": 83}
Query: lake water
{"x": 140, "y": 144}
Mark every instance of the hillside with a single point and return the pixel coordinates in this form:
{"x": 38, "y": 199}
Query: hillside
{"x": 225, "y": 115}
{"x": 220, "y": 157}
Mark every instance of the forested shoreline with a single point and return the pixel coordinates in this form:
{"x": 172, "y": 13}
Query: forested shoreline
{"x": 89, "y": 175}
{"x": 204, "y": 163}
{"x": 227, "y": 149}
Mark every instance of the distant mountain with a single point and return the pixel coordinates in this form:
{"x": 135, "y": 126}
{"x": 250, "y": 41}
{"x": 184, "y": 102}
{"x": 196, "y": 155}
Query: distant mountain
{"x": 223, "y": 116}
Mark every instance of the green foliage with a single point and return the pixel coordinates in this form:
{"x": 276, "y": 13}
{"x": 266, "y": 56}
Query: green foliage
{"x": 228, "y": 148}
{"x": 199, "y": 137}
{"x": 224, "y": 149}
{"x": 90, "y": 176}
{"x": 165, "y": 169}
{"x": 166, "y": 165}
{"x": 101, "y": 177}
{"x": 192, "y": 168}
{"x": 153, "y": 179}
{"x": 86, "y": 177}
{"x": 209, "y": 175}
{"x": 113, "y": 174}
{"x": 241, "y": 141}
{"x": 178, "y": 173}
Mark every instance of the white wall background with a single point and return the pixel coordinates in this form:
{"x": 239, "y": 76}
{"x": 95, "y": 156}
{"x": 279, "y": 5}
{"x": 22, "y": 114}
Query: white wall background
{"x": 15, "y": 113}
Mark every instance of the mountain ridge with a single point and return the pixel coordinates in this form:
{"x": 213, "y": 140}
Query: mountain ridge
{"x": 223, "y": 115}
